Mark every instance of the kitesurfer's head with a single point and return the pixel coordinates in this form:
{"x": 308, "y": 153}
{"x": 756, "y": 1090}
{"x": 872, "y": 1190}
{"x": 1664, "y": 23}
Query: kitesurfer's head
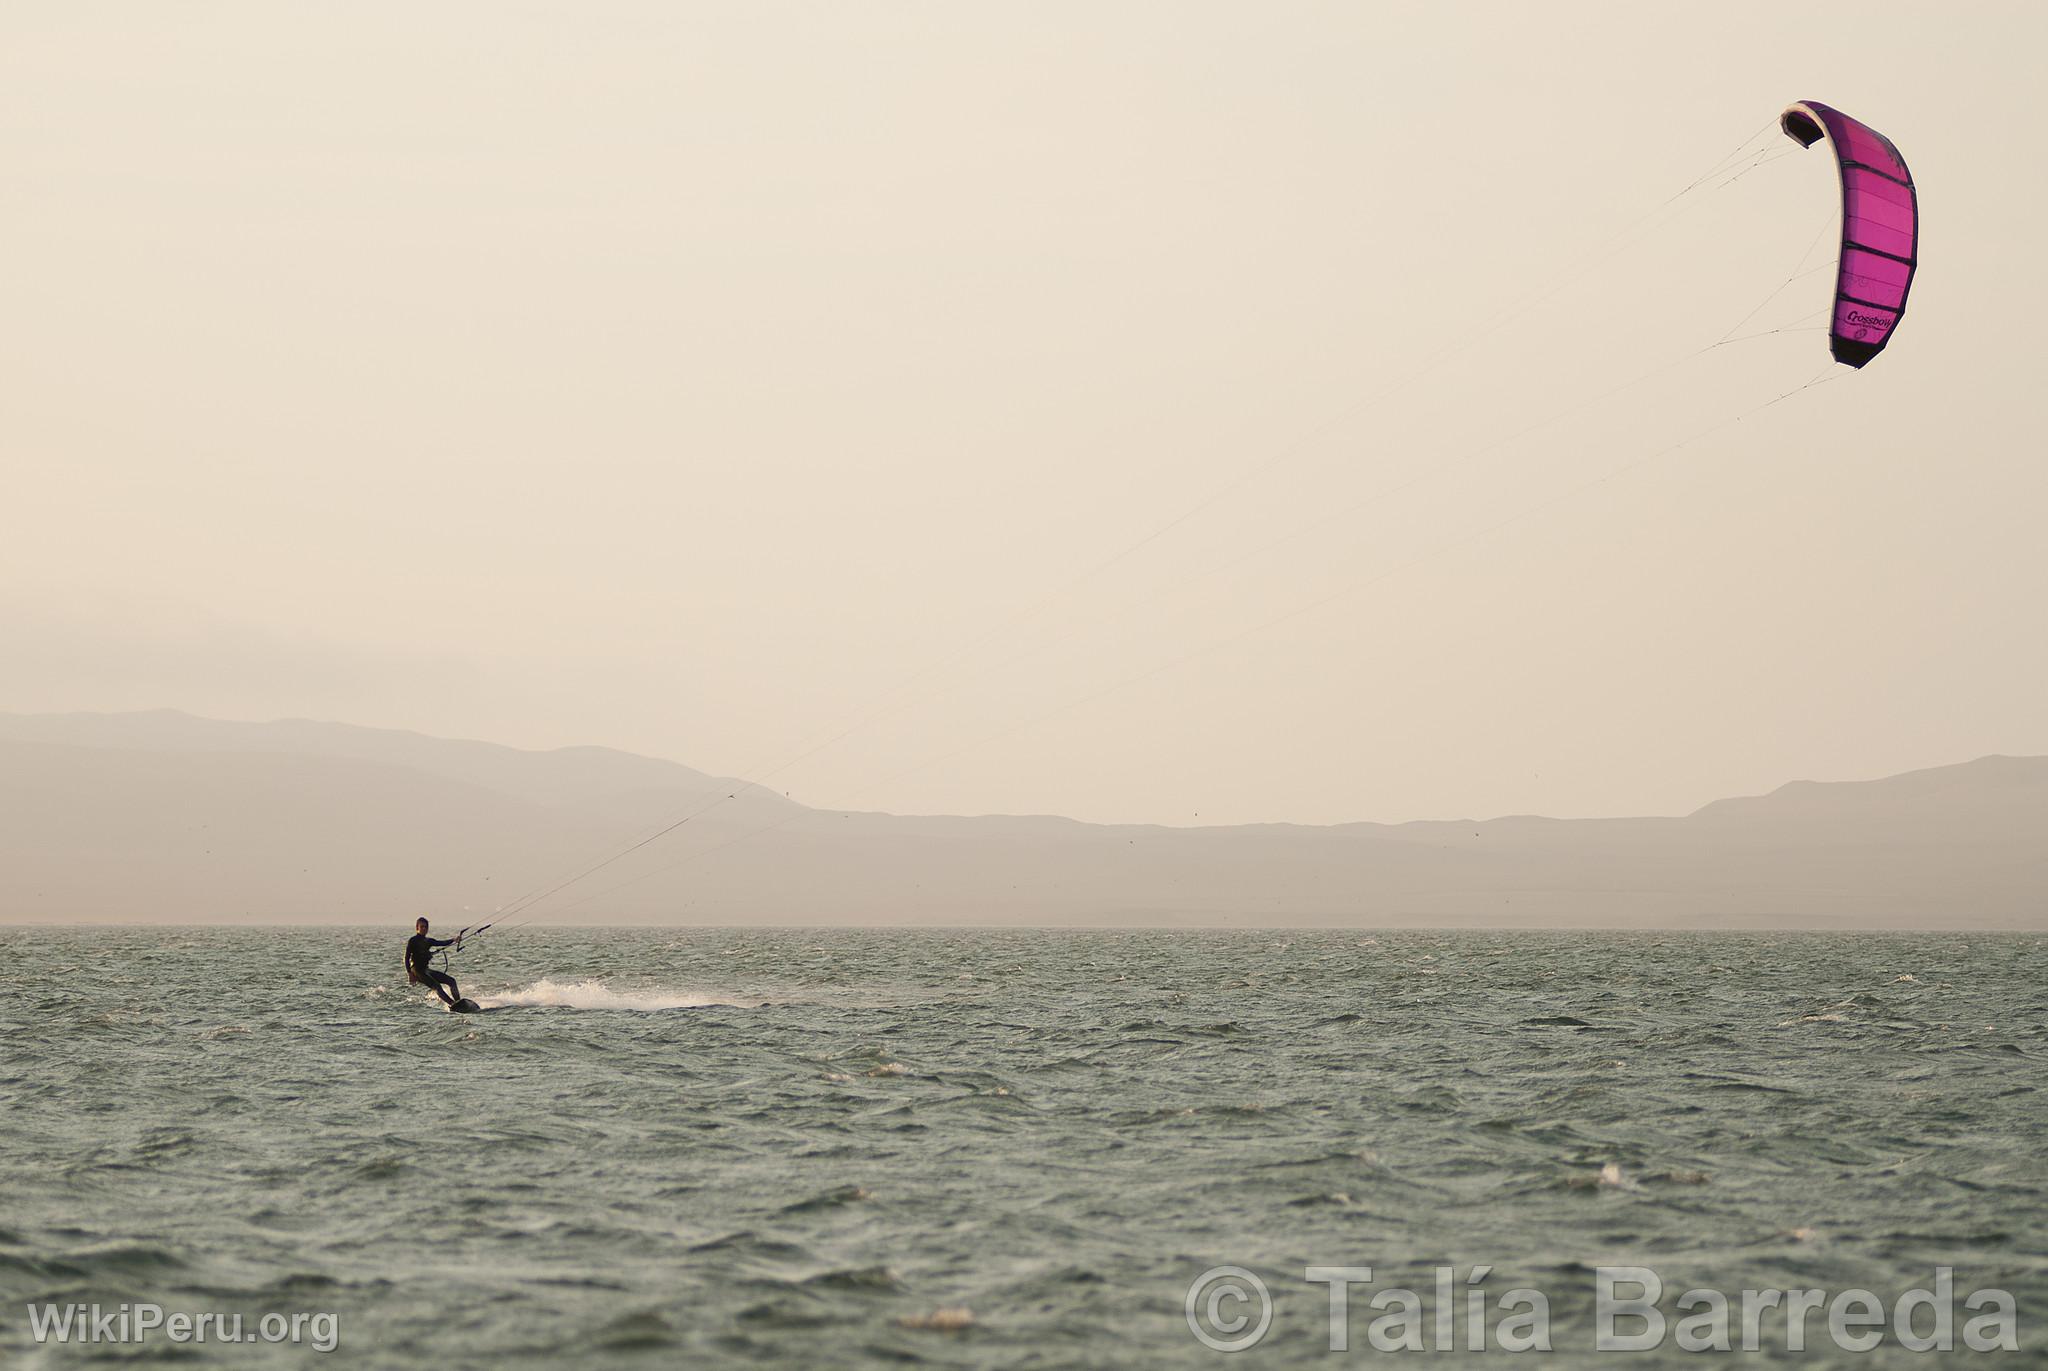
{"x": 420, "y": 923}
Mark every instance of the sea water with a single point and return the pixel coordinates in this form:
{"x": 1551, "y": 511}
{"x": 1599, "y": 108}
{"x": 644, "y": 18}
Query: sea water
{"x": 1002, "y": 1148}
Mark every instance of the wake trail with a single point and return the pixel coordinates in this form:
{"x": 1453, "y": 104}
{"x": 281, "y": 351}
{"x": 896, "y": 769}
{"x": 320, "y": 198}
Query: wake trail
{"x": 595, "y": 994}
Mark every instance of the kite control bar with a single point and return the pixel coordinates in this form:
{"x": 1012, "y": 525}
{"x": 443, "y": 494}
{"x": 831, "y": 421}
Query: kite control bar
{"x": 455, "y": 945}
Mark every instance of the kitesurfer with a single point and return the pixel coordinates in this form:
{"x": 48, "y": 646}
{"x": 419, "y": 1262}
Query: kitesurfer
{"x": 419, "y": 957}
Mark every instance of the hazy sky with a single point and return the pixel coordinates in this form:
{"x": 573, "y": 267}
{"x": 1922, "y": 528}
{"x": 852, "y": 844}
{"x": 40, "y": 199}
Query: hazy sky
{"x": 706, "y": 380}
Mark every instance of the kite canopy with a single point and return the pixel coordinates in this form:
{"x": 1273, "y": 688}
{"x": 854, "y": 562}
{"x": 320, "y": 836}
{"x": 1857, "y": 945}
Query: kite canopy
{"x": 1880, "y": 228}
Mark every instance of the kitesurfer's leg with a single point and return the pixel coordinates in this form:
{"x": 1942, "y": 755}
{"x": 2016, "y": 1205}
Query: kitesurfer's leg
{"x": 437, "y": 980}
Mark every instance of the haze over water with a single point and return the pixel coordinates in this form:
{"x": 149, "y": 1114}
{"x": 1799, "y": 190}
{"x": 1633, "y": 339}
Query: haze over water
{"x": 798, "y": 1147}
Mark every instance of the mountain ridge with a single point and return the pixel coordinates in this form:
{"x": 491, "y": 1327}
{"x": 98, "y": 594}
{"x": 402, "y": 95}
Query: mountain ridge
{"x": 167, "y": 815}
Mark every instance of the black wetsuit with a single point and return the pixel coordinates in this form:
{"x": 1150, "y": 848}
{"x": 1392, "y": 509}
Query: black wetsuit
{"x": 419, "y": 966}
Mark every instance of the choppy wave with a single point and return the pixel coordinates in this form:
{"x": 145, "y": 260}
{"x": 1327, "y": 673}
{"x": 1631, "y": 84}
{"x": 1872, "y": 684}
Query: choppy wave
{"x": 864, "y": 1135}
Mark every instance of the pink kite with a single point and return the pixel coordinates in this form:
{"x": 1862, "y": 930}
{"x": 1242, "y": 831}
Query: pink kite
{"x": 1880, "y": 228}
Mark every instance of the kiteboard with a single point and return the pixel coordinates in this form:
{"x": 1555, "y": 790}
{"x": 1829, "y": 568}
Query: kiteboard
{"x": 465, "y": 1005}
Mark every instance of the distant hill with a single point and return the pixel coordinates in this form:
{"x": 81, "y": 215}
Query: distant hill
{"x": 163, "y": 816}
{"x": 567, "y": 776}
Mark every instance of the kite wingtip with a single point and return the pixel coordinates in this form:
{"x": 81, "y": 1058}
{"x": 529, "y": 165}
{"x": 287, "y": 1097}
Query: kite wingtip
{"x": 1800, "y": 125}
